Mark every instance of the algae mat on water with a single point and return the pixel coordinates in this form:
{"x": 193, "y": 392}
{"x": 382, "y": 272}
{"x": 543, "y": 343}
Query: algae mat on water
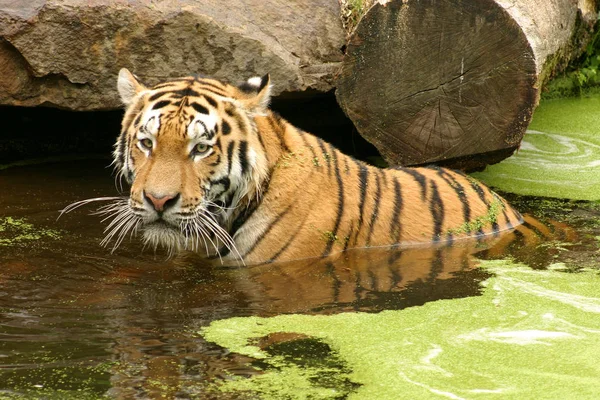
{"x": 531, "y": 334}
{"x": 559, "y": 155}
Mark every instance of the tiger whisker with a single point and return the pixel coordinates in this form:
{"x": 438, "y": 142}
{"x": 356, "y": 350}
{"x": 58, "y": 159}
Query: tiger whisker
{"x": 77, "y": 204}
{"x": 126, "y": 228}
{"x": 220, "y": 233}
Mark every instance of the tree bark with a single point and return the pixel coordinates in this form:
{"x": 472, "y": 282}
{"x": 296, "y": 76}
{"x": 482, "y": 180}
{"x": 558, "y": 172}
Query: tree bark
{"x": 455, "y": 82}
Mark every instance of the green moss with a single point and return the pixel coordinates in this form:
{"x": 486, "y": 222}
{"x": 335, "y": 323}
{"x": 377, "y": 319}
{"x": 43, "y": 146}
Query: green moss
{"x": 559, "y": 156}
{"x": 352, "y": 12}
{"x": 17, "y": 231}
{"x": 480, "y": 222}
{"x": 531, "y": 334}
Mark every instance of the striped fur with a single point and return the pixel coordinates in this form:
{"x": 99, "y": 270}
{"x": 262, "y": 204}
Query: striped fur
{"x": 262, "y": 190}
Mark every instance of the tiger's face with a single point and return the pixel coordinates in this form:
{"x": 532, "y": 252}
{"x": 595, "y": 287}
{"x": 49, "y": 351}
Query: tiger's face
{"x": 190, "y": 151}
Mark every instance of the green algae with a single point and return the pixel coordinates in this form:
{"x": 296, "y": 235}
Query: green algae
{"x": 559, "y": 155}
{"x": 17, "y": 232}
{"x": 531, "y": 334}
{"x": 480, "y": 222}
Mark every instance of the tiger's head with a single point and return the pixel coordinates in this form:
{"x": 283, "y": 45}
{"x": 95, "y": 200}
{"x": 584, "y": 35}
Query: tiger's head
{"x": 191, "y": 152}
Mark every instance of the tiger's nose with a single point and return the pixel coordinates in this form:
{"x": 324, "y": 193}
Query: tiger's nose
{"x": 161, "y": 203}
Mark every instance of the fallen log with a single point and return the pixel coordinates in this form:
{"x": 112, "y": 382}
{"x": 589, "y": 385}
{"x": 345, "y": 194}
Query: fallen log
{"x": 455, "y": 82}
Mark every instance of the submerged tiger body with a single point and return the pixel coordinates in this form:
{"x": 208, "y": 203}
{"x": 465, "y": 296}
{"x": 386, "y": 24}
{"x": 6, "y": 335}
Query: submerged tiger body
{"x": 213, "y": 170}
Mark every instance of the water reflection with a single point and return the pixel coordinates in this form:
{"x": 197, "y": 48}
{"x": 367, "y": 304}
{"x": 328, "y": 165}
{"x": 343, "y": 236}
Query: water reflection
{"x": 81, "y": 322}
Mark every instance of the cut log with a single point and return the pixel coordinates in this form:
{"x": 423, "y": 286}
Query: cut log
{"x": 455, "y": 82}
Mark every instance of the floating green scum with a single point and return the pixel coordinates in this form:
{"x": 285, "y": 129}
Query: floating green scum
{"x": 531, "y": 334}
{"x": 17, "y": 231}
{"x": 559, "y": 155}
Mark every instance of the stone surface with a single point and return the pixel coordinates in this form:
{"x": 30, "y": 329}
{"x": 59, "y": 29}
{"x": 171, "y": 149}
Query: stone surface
{"x": 66, "y": 53}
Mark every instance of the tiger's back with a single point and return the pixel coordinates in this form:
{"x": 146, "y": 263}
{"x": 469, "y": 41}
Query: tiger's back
{"x": 325, "y": 201}
{"x": 214, "y": 170}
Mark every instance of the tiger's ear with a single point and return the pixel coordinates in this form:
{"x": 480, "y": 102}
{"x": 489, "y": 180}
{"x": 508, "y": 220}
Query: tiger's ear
{"x": 128, "y": 86}
{"x": 255, "y": 93}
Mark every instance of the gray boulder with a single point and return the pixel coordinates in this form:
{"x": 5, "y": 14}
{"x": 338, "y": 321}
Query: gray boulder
{"x": 67, "y": 53}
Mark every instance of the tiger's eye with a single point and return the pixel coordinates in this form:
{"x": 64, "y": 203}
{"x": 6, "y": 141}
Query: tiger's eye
{"x": 200, "y": 148}
{"x": 146, "y": 143}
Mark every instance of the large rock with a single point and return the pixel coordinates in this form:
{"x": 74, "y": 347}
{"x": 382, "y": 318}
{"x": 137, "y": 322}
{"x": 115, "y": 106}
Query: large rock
{"x": 66, "y": 53}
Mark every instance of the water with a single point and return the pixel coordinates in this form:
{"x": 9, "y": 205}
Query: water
{"x": 79, "y": 322}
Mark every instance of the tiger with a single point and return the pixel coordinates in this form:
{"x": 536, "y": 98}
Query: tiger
{"x": 213, "y": 170}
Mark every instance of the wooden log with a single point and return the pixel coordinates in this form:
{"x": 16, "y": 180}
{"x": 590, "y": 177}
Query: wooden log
{"x": 455, "y": 82}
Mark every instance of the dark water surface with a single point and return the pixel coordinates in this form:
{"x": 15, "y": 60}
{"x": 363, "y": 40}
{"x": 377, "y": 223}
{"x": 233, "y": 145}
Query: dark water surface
{"x": 79, "y": 322}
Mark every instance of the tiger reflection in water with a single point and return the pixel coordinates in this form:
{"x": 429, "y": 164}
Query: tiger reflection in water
{"x": 393, "y": 278}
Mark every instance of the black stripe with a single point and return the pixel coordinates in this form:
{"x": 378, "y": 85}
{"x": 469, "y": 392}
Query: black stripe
{"x": 213, "y": 91}
{"x": 164, "y": 85}
{"x": 121, "y": 148}
{"x": 276, "y": 124}
{"x": 326, "y": 155}
{"x": 374, "y": 286}
{"x": 209, "y": 134}
{"x": 199, "y": 108}
{"x": 187, "y": 92}
{"x": 437, "y": 265}
{"x": 346, "y": 239}
{"x": 394, "y": 272}
{"x": 262, "y": 144}
{"x": 158, "y": 95}
{"x": 396, "y": 226}
{"x": 340, "y": 207}
{"x": 517, "y": 215}
{"x": 243, "y": 149}
{"x": 137, "y": 120}
{"x": 239, "y": 220}
{"x": 375, "y": 209}
{"x": 383, "y": 176}
{"x": 346, "y": 166}
{"x": 286, "y": 245}
{"x": 363, "y": 181}
{"x": 479, "y": 190}
{"x": 337, "y": 283}
{"x": 238, "y": 118}
{"x": 306, "y": 144}
{"x": 460, "y": 192}
{"x": 394, "y": 256}
{"x": 161, "y": 104}
{"x": 508, "y": 224}
{"x": 225, "y": 182}
{"x": 436, "y": 207}
{"x": 230, "y": 156}
{"x": 226, "y": 128}
{"x": 211, "y": 101}
{"x": 212, "y": 84}
{"x": 420, "y": 178}
{"x": 266, "y": 231}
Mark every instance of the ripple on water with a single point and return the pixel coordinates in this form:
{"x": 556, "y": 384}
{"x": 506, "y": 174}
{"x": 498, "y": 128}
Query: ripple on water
{"x": 550, "y": 165}
{"x": 559, "y": 155}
